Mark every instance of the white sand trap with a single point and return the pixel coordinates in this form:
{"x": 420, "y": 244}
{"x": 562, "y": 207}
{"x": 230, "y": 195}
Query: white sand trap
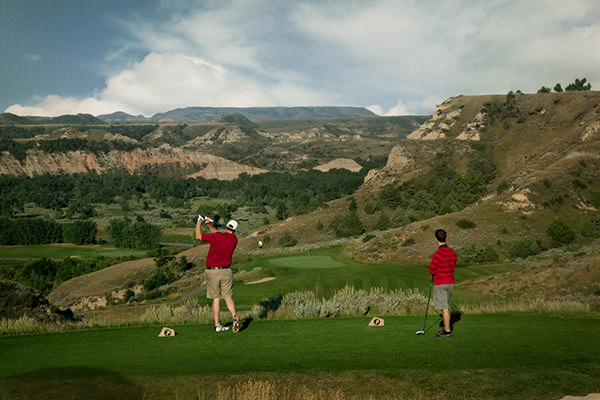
{"x": 270, "y": 278}
{"x": 591, "y": 396}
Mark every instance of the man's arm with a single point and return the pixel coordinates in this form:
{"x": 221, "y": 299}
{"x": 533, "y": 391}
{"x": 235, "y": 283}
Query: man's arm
{"x": 208, "y": 223}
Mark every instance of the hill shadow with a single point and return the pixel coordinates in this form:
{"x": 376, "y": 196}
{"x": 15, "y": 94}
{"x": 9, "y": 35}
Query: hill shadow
{"x": 69, "y": 383}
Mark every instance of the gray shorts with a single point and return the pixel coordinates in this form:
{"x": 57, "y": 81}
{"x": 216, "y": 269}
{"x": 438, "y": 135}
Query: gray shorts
{"x": 219, "y": 283}
{"x": 441, "y": 296}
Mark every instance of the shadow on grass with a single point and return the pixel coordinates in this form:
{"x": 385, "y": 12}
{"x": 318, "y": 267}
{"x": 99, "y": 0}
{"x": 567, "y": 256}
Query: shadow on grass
{"x": 69, "y": 383}
{"x": 244, "y": 324}
{"x": 455, "y": 317}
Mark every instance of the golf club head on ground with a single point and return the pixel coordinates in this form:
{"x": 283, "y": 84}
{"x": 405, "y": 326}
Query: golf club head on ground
{"x": 419, "y": 333}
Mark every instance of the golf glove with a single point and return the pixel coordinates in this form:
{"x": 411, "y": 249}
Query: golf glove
{"x": 201, "y": 218}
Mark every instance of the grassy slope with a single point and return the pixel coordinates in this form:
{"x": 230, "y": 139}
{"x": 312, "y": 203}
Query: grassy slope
{"x": 325, "y": 271}
{"x": 503, "y": 356}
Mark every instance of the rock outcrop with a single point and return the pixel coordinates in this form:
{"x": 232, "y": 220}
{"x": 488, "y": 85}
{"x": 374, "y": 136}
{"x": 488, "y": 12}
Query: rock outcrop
{"x": 163, "y": 160}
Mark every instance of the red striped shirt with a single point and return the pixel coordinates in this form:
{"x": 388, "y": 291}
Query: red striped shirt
{"x": 442, "y": 265}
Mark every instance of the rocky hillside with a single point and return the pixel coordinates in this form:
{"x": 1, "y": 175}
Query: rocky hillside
{"x": 222, "y": 149}
{"x": 546, "y": 149}
{"x": 164, "y": 160}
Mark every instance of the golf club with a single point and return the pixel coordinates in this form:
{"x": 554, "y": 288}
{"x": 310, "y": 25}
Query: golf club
{"x": 217, "y": 224}
{"x": 427, "y": 310}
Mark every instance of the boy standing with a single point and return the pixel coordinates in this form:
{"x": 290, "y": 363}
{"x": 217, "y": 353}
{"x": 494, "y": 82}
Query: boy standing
{"x": 442, "y": 267}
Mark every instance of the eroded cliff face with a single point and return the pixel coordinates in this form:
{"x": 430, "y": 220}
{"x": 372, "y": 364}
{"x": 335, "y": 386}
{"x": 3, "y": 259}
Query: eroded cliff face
{"x": 521, "y": 133}
{"x": 164, "y": 160}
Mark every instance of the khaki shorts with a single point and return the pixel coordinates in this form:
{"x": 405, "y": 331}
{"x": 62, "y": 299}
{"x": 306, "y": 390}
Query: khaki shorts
{"x": 219, "y": 283}
{"x": 441, "y": 296}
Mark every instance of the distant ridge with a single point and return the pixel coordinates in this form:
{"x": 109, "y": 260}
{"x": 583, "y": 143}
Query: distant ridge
{"x": 205, "y": 114}
{"x": 87, "y": 119}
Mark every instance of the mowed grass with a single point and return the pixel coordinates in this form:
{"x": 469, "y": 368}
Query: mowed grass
{"x": 61, "y": 251}
{"x": 492, "y": 356}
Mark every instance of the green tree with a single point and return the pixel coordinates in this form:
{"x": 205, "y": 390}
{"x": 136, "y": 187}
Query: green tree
{"x": 558, "y": 88}
{"x": 80, "y": 232}
{"x": 560, "y": 232}
{"x": 348, "y": 225}
{"x": 579, "y": 85}
{"x": 544, "y": 89}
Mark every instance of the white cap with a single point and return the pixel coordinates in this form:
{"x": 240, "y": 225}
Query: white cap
{"x": 233, "y": 225}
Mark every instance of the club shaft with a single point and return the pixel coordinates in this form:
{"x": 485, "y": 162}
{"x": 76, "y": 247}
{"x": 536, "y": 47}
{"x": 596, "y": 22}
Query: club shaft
{"x": 218, "y": 225}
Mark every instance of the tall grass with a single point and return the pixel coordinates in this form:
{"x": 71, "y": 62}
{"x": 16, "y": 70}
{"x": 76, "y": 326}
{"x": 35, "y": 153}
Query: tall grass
{"x": 265, "y": 390}
{"x": 190, "y": 311}
{"x": 22, "y": 325}
{"x": 347, "y": 301}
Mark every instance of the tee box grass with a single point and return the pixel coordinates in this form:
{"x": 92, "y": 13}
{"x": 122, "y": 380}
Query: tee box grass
{"x": 492, "y": 356}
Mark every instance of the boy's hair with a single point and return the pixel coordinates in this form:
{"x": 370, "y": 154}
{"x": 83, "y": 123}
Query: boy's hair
{"x": 440, "y": 235}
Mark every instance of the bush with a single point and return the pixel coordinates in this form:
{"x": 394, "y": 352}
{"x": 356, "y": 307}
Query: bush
{"x": 287, "y": 240}
{"x": 524, "y": 247}
{"x": 591, "y": 227}
{"x": 560, "y": 232}
{"x": 347, "y": 225}
{"x": 472, "y": 254}
{"x": 465, "y": 224}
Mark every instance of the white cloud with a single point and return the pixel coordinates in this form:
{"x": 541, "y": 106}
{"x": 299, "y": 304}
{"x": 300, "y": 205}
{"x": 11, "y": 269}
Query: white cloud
{"x": 53, "y": 105}
{"x": 402, "y": 57}
{"x": 161, "y": 82}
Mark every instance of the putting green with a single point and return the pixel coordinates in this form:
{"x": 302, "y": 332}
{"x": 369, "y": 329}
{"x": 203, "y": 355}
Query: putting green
{"x": 307, "y": 262}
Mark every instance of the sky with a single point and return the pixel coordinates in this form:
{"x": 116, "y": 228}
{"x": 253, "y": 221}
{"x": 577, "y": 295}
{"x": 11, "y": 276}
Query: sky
{"x": 395, "y": 57}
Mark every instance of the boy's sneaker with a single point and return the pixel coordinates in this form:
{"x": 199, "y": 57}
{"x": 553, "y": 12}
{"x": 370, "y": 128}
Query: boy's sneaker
{"x": 443, "y": 334}
{"x": 236, "y": 323}
{"x": 221, "y": 328}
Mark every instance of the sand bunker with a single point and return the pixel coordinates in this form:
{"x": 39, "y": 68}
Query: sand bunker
{"x": 270, "y": 278}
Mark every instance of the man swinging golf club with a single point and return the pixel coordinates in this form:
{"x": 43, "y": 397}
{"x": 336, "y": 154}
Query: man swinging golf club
{"x": 442, "y": 267}
{"x": 219, "y": 276}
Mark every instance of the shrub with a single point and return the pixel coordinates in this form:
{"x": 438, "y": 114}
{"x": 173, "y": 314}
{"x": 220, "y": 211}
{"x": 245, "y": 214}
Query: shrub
{"x": 465, "y": 224}
{"x": 287, "y": 240}
{"x": 472, "y": 254}
{"x": 524, "y": 247}
{"x": 347, "y": 225}
{"x": 409, "y": 242}
{"x": 591, "y": 227}
{"x": 560, "y": 232}
{"x": 502, "y": 186}
{"x": 370, "y": 207}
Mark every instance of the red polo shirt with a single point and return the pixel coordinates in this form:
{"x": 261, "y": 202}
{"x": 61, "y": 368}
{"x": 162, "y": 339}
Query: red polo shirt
{"x": 221, "y": 248}
{"x": 442, "y": 265}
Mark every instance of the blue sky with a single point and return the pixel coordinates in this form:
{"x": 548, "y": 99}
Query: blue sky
{"x": 395, "y": 57}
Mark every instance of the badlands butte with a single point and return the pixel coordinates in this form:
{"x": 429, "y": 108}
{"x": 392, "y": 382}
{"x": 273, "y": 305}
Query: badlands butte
{"x": 545, "y": 148}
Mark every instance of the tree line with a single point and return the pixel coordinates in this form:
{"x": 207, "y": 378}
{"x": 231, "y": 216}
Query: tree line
{"x": 28, "y": 231}
{"x": 18, "y": 149}
{"x": 291, "y": 194}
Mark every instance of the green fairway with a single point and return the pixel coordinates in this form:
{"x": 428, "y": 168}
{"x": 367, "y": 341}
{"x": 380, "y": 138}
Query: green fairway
{"x": 307, "y": 262}
{"x": 325, "y": 271}
{"x": 63, "y": 251}
{"x": 493, "y": 356}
